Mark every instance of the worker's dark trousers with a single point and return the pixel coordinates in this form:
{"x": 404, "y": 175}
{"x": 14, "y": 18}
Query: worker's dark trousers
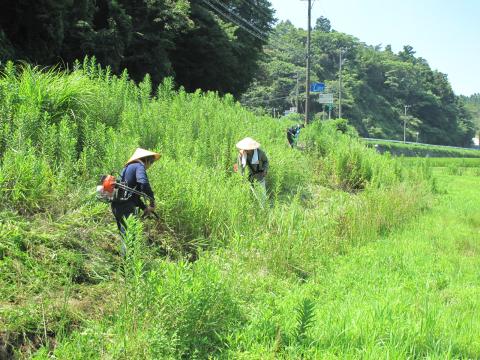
{"x": 121, "y": 211}
{"x": 291, "y": 140}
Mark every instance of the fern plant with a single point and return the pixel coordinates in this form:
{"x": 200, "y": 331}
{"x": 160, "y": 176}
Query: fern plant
{"x": 305, "y": 316}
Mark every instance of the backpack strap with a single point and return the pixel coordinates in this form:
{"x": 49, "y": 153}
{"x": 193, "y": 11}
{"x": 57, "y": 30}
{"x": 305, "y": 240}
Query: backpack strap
{"x": 122, "y": 175}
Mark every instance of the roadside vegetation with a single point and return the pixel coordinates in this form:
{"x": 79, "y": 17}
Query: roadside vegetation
{"x": 218, "y": 276}
{"x": 422, "y": 150}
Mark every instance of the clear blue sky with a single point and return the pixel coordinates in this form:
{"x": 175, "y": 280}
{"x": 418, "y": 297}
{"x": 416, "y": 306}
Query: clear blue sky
{"x": 444, "y": 32}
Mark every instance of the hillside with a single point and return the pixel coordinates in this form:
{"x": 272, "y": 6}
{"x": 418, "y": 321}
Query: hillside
{"x": 377, "y": 84}
{"x": 217, "y": 275}
{"x": 232, "y": 47}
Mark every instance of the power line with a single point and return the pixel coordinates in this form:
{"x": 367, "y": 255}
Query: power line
{"x": 220, "y": 12}
{"x": 263, "y": 36}
{"x": 253, "y": 26}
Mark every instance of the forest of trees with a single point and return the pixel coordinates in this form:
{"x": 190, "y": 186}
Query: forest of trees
{"x": 178, "y": 38}
{"x": 376, "y": 85}
{"x": 203, "y": 49}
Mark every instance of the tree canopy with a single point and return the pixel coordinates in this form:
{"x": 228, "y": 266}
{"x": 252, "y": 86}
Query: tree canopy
{"x": 180, "y": 38}
{"x": 380, "y": 89}
{"x": 472, "y": 103}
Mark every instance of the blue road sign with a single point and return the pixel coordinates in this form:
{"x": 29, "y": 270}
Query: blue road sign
{"x": 317, "y": 87}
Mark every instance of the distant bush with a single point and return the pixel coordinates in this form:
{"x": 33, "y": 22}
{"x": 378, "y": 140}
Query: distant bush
{"x": 345, "y": 163}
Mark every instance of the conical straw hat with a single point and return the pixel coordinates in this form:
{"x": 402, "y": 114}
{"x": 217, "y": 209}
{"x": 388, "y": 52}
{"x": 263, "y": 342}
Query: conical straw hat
{"x": 248, "y": 144}
{"x": 142, "y": 153}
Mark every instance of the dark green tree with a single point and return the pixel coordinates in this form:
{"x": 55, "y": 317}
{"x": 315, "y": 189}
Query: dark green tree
{"x": 323, "y": 24}
{"x": 216, "y": 54}
{"x": 183, "y": 38}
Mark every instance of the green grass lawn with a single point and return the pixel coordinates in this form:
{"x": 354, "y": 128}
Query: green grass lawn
{"x": 444, "y": 162}
{"x": 415, "y": 293}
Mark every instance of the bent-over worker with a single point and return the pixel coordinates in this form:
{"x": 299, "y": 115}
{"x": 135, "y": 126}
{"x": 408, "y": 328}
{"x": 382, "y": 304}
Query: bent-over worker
{"x": 250, "y": 155}
{"x": 134, "y": 175}
{"x": 293, "y": 134}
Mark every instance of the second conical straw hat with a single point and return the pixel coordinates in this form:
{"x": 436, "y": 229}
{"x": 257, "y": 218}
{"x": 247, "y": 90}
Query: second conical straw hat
{"x": 247, "y": 144}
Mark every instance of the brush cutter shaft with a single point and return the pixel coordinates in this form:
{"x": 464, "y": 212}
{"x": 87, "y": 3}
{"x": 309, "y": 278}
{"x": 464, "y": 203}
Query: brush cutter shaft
{"x": 134, "y": 191}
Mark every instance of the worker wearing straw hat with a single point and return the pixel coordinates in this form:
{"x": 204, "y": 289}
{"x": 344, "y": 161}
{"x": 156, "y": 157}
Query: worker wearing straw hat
{"x": 250, "y": 155}
{"x": 134, "y": 175}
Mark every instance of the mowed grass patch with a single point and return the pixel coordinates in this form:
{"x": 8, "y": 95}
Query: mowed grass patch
{"x": 444, "y": 162}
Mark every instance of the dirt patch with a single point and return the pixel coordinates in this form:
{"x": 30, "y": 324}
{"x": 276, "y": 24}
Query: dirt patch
{"x": 17, "y": 345}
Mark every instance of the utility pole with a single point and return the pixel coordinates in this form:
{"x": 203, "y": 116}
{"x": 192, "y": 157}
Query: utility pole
{"x": 296, "y": 103}
{"x": 307, "y": 87}
{"x": 405, "y": 122}
{"x": 340, "y": 87}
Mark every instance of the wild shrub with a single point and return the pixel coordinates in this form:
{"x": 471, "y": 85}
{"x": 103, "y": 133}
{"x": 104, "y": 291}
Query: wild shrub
{"x": 198, "y": 204}
{"x": 346, "y": 163}
{"x": 174, "y": 310}
{"x": 26, "y": 180}
{"x": 198, "y": 306}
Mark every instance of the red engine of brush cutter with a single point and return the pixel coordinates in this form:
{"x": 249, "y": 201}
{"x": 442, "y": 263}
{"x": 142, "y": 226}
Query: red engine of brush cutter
{"x": 107, "y": 191}
{"x": 109, "y": 183}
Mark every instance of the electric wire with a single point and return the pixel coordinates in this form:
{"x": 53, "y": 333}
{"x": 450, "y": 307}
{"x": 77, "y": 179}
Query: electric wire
{"x": 233, "y": 20}
{"x": 252, "y": 26}
{"x": 218, "y": 11}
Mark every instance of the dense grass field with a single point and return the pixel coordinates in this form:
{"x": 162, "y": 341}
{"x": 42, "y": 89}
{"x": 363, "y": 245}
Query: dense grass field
{"x": 355, "y": 255}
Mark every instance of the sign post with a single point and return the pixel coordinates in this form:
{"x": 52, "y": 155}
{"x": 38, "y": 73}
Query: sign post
{"x": 325, "y": 98}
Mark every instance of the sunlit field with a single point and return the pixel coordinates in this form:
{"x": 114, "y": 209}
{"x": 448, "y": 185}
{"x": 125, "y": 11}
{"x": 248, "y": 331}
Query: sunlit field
{"x": 354, "y": 255}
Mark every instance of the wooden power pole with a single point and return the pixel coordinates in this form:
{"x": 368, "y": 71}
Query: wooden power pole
{"x": 307, "y": 85}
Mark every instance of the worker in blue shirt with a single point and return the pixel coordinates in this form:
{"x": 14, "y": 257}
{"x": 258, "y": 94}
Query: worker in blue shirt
{"x": 134, "y": 176}
{"x": 293, "y": 134}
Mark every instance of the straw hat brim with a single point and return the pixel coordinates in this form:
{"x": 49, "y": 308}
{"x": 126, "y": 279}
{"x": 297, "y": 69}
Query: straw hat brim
{"x": 142, "y": 153}
{"x": 247, "y": 144}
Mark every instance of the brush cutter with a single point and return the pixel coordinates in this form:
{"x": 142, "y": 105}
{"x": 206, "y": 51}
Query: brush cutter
{"x": 109, "y": 191}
